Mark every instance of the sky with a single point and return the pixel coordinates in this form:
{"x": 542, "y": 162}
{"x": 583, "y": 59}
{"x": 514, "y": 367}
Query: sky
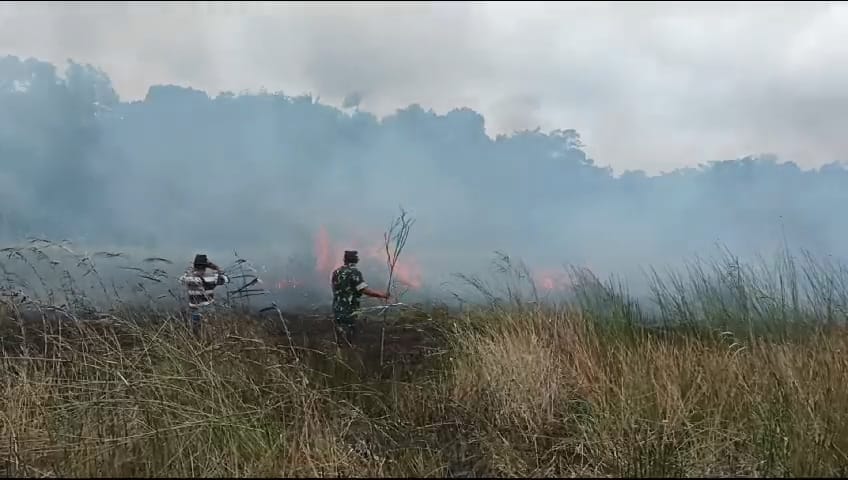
{"x": 651, "y": 86}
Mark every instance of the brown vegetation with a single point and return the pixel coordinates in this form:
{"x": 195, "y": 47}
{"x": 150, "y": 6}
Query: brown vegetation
{"x": 746, "y": 384}
{"x": 503, "y": 393}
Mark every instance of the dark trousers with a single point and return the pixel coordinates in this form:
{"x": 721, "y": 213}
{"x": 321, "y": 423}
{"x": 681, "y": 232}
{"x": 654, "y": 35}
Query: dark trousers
{"x": 345, "y": 329}
{"x": 195, "y": 319}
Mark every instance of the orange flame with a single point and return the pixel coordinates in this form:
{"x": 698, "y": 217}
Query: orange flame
{"x": 327, "y": 254}
{"x": 549, "y": 280}
{"x": 323, "y": 258}
{"x": 408, "y": 274}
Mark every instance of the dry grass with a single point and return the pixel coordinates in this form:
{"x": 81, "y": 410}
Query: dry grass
{"x": 560, "y": 395}
{"x": 523, "y": 393}
{"x": 741, "y": 377}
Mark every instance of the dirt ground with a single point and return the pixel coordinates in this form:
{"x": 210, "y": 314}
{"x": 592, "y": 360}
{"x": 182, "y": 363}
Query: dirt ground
{"x": 406, "y": 338}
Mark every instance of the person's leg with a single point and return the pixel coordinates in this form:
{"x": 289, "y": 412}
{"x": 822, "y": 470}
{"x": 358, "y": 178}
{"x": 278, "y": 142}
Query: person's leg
{"x": 196, "y": 320}
{"x": 351, "y": 329}
{"x": 344, "y": 330}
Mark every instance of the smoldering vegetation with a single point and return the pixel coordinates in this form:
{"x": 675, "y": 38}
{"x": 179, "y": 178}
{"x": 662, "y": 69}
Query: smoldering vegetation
{"x": 544, "y": 360}
{"x": 289, "y": 183}
{"x": 742, "y": 376}
{"x": 265, "y": 172}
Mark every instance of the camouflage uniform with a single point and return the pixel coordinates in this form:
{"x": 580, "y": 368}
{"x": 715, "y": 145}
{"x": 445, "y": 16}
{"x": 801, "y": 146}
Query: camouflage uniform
{"x": 348, "y": 284}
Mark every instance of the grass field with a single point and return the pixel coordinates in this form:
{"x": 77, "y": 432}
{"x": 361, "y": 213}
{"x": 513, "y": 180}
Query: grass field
{"x": 742, "y": 373}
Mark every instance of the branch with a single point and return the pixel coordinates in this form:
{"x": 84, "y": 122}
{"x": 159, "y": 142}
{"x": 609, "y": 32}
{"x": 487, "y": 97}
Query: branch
{"x": 394, "y": 242}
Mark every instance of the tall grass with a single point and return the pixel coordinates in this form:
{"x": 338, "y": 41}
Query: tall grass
{"x": 561, "y": 394}
{"x": 741, "y": 373}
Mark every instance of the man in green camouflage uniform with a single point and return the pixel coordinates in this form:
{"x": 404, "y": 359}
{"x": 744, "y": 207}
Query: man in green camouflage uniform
{"x": 348, "y": 286}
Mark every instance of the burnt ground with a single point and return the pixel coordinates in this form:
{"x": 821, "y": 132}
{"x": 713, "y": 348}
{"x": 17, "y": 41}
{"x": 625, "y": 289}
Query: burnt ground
{"x": 407, "y": 338}
{"x": 410, "y": 337}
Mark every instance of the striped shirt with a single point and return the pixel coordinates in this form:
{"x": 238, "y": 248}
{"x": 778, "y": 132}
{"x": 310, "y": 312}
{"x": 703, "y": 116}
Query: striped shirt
{"x": 200, "y": 286}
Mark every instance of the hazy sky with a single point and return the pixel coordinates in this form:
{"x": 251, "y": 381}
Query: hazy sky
{"x": 648, "y": 85}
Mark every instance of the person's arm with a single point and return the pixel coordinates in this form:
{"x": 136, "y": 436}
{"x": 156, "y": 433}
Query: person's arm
{"x": 222, "y": 278}
{"x": 360, "y": 285}
{"x": 374, "y": 293}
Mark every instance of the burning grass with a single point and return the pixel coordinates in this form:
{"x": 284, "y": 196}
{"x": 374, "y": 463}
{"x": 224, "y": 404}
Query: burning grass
{"x": 732, "y": 379}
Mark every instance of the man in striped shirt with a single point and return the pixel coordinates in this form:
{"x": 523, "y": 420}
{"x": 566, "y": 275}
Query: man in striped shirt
{"x": 200, "y": 284}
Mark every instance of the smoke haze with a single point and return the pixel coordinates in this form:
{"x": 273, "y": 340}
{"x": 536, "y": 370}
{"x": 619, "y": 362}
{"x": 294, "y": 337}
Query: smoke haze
{"x": 178, "y": 169}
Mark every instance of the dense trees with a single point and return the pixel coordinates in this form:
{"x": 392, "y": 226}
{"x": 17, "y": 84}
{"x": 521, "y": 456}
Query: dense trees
{"x": 179, "y": 166}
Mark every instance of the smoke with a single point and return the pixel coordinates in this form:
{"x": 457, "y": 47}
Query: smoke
{"x": 282, "y": 177}
{"x": 649, "y": 85}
